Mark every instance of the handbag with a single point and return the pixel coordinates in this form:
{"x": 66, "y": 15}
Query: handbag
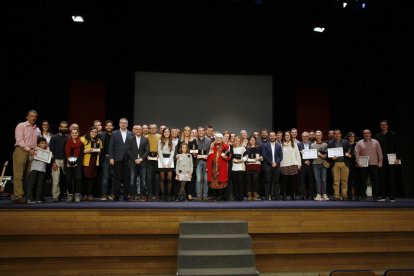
{"x": 326, "y": 164}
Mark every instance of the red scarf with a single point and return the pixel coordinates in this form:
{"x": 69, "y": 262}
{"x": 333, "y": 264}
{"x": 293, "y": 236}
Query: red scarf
{"x": 76, "y": 146}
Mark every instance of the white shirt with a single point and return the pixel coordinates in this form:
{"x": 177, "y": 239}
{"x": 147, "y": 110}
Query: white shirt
{"x": 138, "y": 139}
{"x": 124, "y": 134}
{"x": 175, "y": 142}
{"x": 239, "y": 166}
{"x": 273, "y": 145}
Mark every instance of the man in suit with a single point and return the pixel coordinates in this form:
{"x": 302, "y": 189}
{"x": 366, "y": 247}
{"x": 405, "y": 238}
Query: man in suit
{"x": 272, "y": 156}
{"x": 306, "y": 176}
{"x": 137, "y": 148}
{"x": 119, "y": 159}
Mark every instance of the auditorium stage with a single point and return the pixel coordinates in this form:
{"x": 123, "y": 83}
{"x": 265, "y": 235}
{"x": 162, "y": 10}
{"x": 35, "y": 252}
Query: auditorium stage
{"x": 200, "y": 205}
{"x": 141, "y": 238}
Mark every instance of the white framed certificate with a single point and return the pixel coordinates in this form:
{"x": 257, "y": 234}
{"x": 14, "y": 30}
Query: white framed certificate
{"x": 42, "y": 155}
{"x": 363, "y": 161}
{"x": 166, "y": 160}
{"x": 152, "y": 158}
{"x": 194, "y": 151}
{"x": 392, "y": 157}
{"x": 309, "y": 154}
{"x": 96, "y": 150}
{"x": 335, "y": 152}
{"x": 201, "y": 156}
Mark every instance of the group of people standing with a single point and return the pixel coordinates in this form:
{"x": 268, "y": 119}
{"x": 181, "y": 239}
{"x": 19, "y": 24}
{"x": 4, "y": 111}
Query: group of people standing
{"x": 151, "y": 164}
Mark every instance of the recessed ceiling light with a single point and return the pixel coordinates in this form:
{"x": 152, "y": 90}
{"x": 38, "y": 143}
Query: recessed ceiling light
{"x": 77, "y": 18}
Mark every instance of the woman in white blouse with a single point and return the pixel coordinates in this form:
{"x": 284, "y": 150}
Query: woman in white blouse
{"x": 290, "y": 165}
{"x": 238, "y": 168}
{"x": 166, "y": 162}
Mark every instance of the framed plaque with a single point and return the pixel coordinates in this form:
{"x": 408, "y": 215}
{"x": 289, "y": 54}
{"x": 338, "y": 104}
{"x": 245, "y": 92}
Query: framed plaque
{"x": 43, "y": 155}
{"x": 335, "y": 152}
{"x": 392, "y": 157}
{"x": 165, "y": 161}
{"x": 309, "y": 154}
{"x": 363, "y": 161}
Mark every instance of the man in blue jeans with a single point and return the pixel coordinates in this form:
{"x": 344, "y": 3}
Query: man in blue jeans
{"x": 203, "y": 145}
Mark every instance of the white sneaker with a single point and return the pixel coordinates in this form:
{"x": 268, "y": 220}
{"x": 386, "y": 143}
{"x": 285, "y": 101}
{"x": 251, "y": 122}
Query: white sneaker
{"x": 318, "y": 197}
{"x": 325, "y": 197}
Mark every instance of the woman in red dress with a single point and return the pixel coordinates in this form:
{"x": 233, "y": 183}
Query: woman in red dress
{"x": 217, "y": 166}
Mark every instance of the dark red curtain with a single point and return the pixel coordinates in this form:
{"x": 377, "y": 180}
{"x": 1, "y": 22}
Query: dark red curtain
{"x": 86, "y": 103}
{"x": 312, "y": 110}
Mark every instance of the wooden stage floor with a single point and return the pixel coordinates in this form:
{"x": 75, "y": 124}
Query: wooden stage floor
{"x": 138, "y": 241}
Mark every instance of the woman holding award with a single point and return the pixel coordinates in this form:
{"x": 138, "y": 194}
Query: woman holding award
{"x": 253, "y": 168}
{"x": 92, "y": 150}
{"x": 166, "y": 162}
{"x": 73, "y": 170}
{"x": 217, "y": 161}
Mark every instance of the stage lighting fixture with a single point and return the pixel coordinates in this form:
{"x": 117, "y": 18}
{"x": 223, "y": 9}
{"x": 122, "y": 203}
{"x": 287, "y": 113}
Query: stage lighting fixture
{"x": 363, "y": 5}
{"x": 77, "y": 18}
{"x": 344, "y": 4}
{"x": 318, "y": 29}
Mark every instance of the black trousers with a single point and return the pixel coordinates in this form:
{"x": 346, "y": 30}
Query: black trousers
{"x": 121, "y": 174}
{"x": 252, "y": 181}
{"x": 153, "y": 184}
{"x": 289, "y": 181}
{"x": 272, "y": 186}
{"x": 372, "y": 171}
{"x": 237, "y": 177}
{"x": 74, "y": 179}
{"x": 354, "y": 181}
{"x": 35, "y": 185}
{"x": 306, "y": 181}
{"x": 388, "y": 186}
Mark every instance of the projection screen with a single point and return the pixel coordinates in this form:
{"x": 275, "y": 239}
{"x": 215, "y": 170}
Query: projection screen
{"x": 227, "y": 102}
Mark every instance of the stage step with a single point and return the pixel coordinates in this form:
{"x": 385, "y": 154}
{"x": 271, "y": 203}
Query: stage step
{"x": 215, "y": 248}
{"x": 215, "y": 258}
{"x": 213, "y": 227}
{"x": 215, "y": 242}
{"x": 243, "y": 271}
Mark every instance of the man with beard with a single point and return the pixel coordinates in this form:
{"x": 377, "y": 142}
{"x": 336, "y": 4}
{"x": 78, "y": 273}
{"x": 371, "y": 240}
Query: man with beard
{"x": 106, "y": 169}
{"x": 263, "y": 136}
{"x": 57, "y": 147}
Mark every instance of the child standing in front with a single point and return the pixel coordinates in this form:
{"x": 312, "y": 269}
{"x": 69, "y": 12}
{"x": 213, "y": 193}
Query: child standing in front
{"x": 37, "y": 175}
{"x": 184, "y": 169}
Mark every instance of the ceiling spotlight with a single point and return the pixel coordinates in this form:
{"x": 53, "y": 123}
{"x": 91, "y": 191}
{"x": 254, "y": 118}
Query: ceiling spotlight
{"x": 318, "y": 29}
{"x": 363, "y": 5}
{"x": 77, "y": 18}
{"x": 344, "y": 4}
